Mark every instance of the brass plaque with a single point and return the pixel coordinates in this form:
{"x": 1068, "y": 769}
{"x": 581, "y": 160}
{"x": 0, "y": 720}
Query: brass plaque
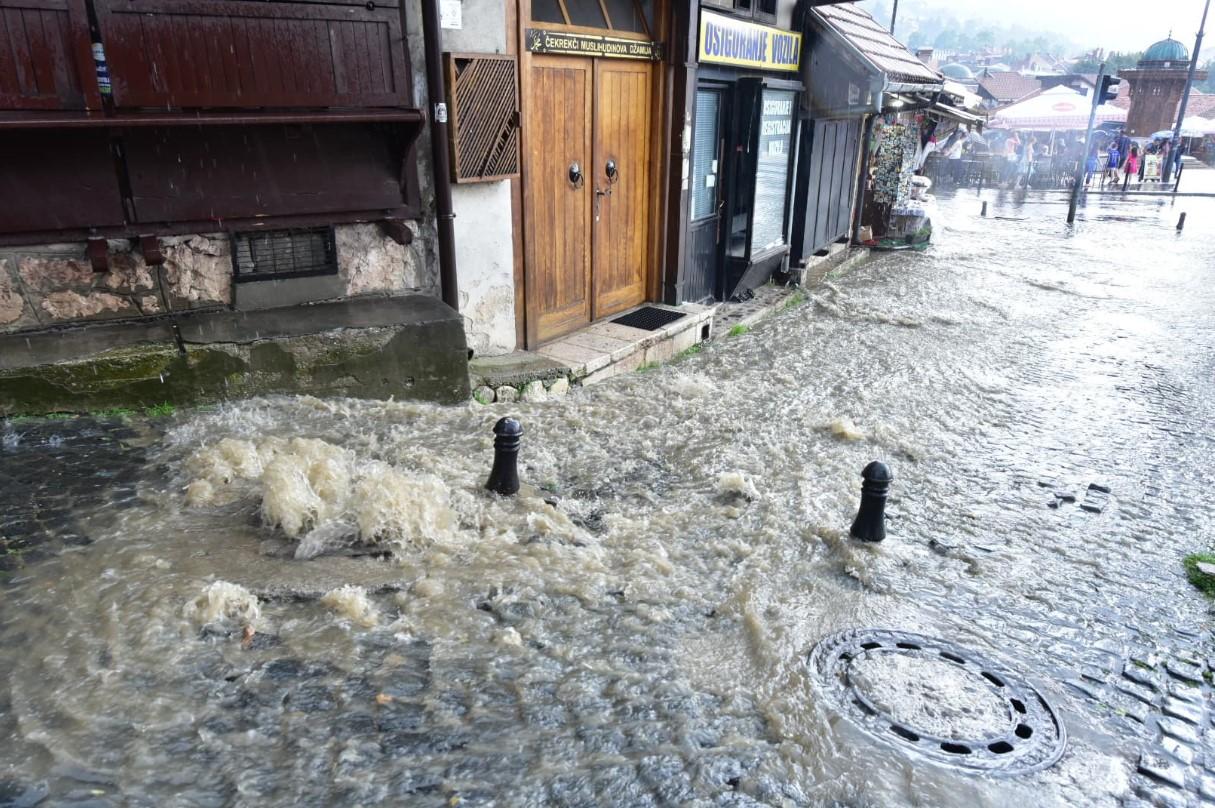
{"x": 541, "y": 40}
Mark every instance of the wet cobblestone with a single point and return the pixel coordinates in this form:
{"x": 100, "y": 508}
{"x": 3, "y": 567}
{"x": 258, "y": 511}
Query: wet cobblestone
{"x": 55, "y": 474}
{"x": 609, "y": 716}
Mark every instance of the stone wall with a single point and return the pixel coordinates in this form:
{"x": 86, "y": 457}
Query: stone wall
{"x": 53, "y": 285}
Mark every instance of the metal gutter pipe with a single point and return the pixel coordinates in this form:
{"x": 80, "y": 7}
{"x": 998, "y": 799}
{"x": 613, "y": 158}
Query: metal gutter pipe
{"x": 432, "y": 38}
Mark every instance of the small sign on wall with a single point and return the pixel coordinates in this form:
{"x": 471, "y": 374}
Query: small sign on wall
{"x": 541, "y": 40}
{"x": 451, "y": 14}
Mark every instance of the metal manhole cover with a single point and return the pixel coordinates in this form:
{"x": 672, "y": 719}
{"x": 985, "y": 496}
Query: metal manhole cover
{"x": 936, "y": 699}
{"x": 649, "y": 318}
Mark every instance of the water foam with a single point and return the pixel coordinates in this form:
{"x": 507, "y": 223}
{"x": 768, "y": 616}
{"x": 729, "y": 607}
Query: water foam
{"x": 224, "y": 602}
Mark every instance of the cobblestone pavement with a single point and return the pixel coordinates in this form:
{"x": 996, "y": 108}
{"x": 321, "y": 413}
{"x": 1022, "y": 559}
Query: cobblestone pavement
{"x": 53, "y": 472}
{"x": 1058, "y": 378}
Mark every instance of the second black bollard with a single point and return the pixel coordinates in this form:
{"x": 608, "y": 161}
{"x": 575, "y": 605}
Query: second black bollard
{"x": 504, "y": 477}
{"x": 870, "y": 522}
{"x": 984, "y": 213}
{"x": 1181, "y": 222}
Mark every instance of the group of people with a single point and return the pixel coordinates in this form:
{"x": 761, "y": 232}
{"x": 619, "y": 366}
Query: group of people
{"x": 1125, "y": 161}
{"x": 1024, "y": 161}
{"x": 1025, "y": 157}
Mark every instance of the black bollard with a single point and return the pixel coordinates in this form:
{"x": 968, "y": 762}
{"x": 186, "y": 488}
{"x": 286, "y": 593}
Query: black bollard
{"x": 1180, "y": 223}
{"x": 870, "y": 522}
{"x": 504, "y": 477}
{"x": 984, "y": 212}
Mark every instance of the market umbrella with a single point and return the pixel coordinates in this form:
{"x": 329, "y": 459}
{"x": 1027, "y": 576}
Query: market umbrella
{"x": 1190, "y": 127}
{"x": 1057, "y": 109}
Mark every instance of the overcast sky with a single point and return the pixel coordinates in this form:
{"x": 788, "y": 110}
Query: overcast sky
{"x": 1112, "y": 24}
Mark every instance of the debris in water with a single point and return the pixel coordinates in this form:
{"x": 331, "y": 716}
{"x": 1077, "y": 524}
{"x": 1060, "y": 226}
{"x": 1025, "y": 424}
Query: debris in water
{"x": 1095, "y": 498}
{"x": 246, "y": 640}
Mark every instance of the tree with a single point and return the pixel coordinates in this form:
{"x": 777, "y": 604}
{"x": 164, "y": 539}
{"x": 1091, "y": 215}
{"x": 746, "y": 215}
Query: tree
{"x": 1113, "y": 62}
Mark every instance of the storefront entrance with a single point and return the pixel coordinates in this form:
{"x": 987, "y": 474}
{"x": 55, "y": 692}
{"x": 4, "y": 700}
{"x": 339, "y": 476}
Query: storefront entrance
{"x": 743, "y": 151}
{"x": 739, "y": 195}
{"x": 589, "y": 74}
{"x": 586, "y": 190}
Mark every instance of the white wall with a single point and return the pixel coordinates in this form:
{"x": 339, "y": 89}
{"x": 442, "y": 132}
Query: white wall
{"x": 485, "y": 257}
{"x": 484, "y": 238}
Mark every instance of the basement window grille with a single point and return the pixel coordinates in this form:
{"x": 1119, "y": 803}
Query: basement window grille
{"x": 275, "y": 254}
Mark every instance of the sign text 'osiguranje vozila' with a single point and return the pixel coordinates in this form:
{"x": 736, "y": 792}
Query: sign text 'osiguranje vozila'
{"x": 728, "y": 41}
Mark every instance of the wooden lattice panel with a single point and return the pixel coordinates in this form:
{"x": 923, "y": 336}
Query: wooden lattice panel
{"x": 483, "y": 110}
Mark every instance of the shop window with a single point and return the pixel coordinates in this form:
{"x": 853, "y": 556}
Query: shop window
{"x": 277, "y": 254}
{"x": 704, "y": 154}
{"x": 772, "y": 169}
{"x": 765, "y": 10}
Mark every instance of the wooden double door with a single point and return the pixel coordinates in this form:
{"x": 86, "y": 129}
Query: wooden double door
{"x": 587, "y": 188}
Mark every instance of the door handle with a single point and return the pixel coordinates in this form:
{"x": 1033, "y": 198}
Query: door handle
{"x": 575, "y": 175}
{"x": 612, "y": 172}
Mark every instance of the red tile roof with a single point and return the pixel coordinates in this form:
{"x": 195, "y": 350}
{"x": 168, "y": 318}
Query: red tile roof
{"x": 1006, "y": 87}
{"x": 1201, "y": 105}
{"x": 877, "y": 44}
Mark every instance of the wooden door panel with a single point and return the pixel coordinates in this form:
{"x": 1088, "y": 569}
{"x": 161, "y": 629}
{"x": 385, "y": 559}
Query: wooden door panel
{"x": 557, "y": 115}
{"x": 622, "y": 134}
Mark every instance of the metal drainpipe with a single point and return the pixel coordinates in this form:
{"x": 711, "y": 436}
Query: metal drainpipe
{"x": 432, "y": 37}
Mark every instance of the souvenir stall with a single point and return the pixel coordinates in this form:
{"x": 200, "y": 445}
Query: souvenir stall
{"x": 892, "y": 216}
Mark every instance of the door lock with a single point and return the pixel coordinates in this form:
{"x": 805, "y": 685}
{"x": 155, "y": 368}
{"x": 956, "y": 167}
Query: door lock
{"x": 599, "y": 195}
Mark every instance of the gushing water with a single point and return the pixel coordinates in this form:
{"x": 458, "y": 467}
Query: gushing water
{"x": 316, "y": 602}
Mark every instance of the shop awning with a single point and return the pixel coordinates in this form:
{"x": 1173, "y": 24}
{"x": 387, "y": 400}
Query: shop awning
{"x": 1057, "y": 109}
{"x": 953, "y": 113}
{"x": 898, "y": 70}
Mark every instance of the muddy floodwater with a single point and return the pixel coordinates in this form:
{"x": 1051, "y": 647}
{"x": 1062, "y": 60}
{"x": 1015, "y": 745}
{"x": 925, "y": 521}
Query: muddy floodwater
{"x": 297, "y": 602}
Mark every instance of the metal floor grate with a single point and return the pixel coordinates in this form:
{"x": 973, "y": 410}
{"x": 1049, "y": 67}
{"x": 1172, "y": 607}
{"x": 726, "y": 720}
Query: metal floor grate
{"x": 649, "y": 318}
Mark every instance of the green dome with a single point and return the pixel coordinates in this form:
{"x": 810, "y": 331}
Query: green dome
{"x": 1167, "y": 50}
{"x": 958, "y": 72}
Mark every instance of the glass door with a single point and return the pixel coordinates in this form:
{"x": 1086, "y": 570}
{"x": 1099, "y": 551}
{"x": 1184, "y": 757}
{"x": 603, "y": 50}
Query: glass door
{"x": 704, "y": 196}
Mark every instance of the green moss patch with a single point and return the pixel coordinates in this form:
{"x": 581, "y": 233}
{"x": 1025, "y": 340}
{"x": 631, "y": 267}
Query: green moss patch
{"x": 1205, "y": 583}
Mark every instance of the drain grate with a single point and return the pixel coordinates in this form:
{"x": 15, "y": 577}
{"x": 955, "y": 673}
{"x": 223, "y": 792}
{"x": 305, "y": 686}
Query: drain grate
{"x": 649, "y": 318}
{"x": 1006, "y": 726}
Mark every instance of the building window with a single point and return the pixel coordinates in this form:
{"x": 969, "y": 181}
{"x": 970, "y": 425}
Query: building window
{"x": 274, "y": 254}
{"x": 765, "y": 10}
{"x": 634, "y": 16}
{"x": 704, "y": 154}
{"x": 772, "y": 170}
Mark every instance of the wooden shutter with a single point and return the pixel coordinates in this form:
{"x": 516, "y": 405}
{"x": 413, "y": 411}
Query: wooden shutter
{"x": 483, "y": 112}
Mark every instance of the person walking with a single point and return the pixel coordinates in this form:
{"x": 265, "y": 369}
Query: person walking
{"x": 1011, "y": 147}
{"x": 1131, "y": 167}
{"x": 1112, "y": 161}
{"x": 1026, "y": 166}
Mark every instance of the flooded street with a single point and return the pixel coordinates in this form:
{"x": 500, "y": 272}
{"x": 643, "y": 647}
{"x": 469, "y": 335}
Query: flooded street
{"x": 292, "y": 601}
